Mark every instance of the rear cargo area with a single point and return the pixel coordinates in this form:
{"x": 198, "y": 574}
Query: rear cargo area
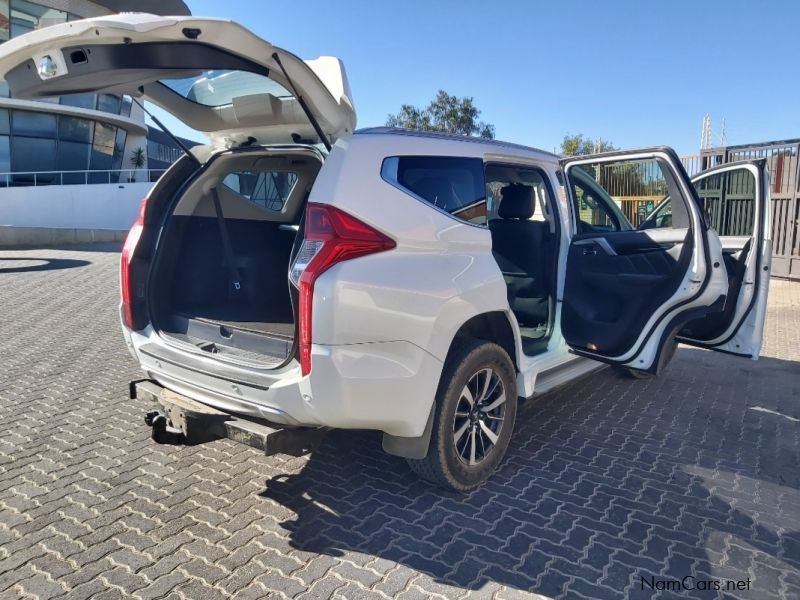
{"x": 235, "y": 302}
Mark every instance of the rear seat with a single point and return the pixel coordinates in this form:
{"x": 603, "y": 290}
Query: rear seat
{"x": 520, "y": 247}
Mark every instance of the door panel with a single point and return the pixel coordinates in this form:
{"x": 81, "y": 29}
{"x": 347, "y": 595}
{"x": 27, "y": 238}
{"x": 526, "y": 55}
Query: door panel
{"x": 627, "y": 292}
{"x": 737, "y": 200}
{"x": 613, "y": 278}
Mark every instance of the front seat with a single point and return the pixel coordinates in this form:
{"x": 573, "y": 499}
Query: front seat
{"x": 520, "y": 246}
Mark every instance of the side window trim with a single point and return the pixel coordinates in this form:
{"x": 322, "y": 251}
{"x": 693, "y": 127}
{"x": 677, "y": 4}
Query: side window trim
{"x": 390, "y": 168}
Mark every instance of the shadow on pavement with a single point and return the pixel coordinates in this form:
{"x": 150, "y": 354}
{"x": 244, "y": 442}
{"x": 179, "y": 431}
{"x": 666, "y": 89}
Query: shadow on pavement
{"x": 606, "y": 481}
{"x": 39, "y": 264}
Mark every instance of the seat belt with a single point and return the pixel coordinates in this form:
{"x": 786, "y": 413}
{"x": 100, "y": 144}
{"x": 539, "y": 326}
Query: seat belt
{"x": 235, "y": 276}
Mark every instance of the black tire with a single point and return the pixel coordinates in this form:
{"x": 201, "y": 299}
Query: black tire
{"x": 669, "y": 353}
{"x": 468, "y": 367}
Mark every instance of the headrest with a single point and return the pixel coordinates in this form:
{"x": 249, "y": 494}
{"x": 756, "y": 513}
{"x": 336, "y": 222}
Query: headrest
{"x": 516, "y": 202}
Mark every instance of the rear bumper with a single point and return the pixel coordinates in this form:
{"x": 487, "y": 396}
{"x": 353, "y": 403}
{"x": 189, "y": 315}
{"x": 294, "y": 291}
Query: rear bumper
{"x": 181, "y": 419}
{"x": 385, "y": 386}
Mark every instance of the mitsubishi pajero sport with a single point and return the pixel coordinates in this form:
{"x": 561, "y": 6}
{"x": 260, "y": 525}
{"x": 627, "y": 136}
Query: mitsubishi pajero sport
{"x": 295, "y": 274}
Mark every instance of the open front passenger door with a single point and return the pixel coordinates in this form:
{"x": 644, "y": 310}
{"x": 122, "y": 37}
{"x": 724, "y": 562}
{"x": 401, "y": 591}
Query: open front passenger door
{"x": 628, "y": 292}
{"x": 736, "y": 198}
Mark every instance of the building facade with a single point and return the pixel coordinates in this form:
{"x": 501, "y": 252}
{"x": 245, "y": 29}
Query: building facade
{"x": 73, "y": 169}
{"x": 77, "y": 139}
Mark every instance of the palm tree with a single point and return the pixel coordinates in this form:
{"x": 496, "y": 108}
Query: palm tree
{"x": 137, "y": 161}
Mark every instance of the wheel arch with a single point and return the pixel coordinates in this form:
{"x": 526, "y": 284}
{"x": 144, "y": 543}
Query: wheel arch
{"x": 492, "y": 326}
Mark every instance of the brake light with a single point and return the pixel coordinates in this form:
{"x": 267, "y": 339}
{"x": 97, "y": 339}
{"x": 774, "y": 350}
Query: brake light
{"x": 330, "y": 236}
{"x": 126, "y": 273}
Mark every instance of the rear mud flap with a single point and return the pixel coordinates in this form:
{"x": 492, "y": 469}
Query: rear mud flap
{"x": 178, "y": 419}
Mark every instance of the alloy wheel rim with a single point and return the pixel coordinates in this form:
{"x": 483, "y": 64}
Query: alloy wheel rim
{"x": 480, "y": 413}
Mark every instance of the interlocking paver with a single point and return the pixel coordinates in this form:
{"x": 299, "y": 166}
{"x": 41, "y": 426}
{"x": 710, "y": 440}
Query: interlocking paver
{"x": 606, "y": 480}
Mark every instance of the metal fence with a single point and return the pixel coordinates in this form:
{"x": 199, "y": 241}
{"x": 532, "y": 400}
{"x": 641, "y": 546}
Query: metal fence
{"x": 40, "y": 178}
{"x": 638, "y": 186}
{"x": 782, "y": 161}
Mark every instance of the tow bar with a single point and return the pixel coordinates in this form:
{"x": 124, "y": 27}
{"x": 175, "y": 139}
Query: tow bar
{"x": 181, "y": 420}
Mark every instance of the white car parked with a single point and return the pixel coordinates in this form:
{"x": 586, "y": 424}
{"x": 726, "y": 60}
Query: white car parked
{"x": 415, "y": 284}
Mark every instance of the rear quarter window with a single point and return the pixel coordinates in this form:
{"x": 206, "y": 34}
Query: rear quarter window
{"x": 453, "y": 185}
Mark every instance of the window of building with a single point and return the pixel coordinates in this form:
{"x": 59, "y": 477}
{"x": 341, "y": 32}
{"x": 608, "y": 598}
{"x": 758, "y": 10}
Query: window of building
{"x": 127, "y": 104}
{"x": 5, "y": 21}
{"x": 33, "y": 124}
{"x": 453, "y": 185}
{"x": 74, "y": 129}
{"x": 73, "y": 156}
{"x": 119, "y": 156}
{"x": 40, "y": 142}
{"x": 102, "y": 156}
{"x": 33, "y": 154}
{"x": 26, "y": 16}
{"x": 80, "y": 100}
{"x": 109, "y": 103}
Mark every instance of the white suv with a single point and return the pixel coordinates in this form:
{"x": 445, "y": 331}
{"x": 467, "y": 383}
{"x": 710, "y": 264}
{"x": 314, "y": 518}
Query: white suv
{"x": 295, "y": 275}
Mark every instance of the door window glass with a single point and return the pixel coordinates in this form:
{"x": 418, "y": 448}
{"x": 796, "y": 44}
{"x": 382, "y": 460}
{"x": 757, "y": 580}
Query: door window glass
{"x": 616, "y": 196}
{"x": 730, "y": 200}
{"x": 660, "y": 217}
{"x": 453, "y": 185}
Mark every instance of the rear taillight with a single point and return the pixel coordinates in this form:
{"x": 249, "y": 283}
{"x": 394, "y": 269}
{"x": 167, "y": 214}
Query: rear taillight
{"x": 330, "y": 236}
{"x": 130, "y": 295}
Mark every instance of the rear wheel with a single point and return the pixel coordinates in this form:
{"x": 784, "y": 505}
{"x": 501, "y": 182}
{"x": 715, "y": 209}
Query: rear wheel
{"x": 476, "y": 406}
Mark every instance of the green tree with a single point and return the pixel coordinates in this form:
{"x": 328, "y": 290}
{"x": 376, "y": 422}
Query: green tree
{"x": 447, "y": 114}
{"x": 580, "y": 145}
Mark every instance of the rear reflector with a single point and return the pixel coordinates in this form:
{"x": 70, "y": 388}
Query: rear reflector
{"x": 131, "y": 295}
{"x": 330, "y": 236}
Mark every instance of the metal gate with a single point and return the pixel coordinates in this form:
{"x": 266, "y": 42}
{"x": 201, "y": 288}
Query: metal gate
{"x": 784, "y": 181}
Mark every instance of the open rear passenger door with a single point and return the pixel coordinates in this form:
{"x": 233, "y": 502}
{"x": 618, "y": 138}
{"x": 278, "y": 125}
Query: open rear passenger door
{"x": 627, "y": 292}
{"x": 736, "y": 198}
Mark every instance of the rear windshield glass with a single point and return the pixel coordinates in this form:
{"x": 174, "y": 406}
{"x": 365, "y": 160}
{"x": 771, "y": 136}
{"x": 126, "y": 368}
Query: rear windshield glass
{"x": 267, "y": 189}
{"x": 218, "y": 88}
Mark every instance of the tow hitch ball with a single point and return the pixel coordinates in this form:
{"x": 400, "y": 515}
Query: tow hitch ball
{"x": 161, "y": 432}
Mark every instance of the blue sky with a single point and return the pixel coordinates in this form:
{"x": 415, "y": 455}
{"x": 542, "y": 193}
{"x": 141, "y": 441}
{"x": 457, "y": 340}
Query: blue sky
{"x": 635, "y": 73}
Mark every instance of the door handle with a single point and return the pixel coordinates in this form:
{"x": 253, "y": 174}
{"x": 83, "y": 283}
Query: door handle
{"x": 590, "y": 251}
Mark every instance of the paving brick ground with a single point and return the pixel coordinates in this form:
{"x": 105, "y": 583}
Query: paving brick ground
{"x": 607, "y": 481}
